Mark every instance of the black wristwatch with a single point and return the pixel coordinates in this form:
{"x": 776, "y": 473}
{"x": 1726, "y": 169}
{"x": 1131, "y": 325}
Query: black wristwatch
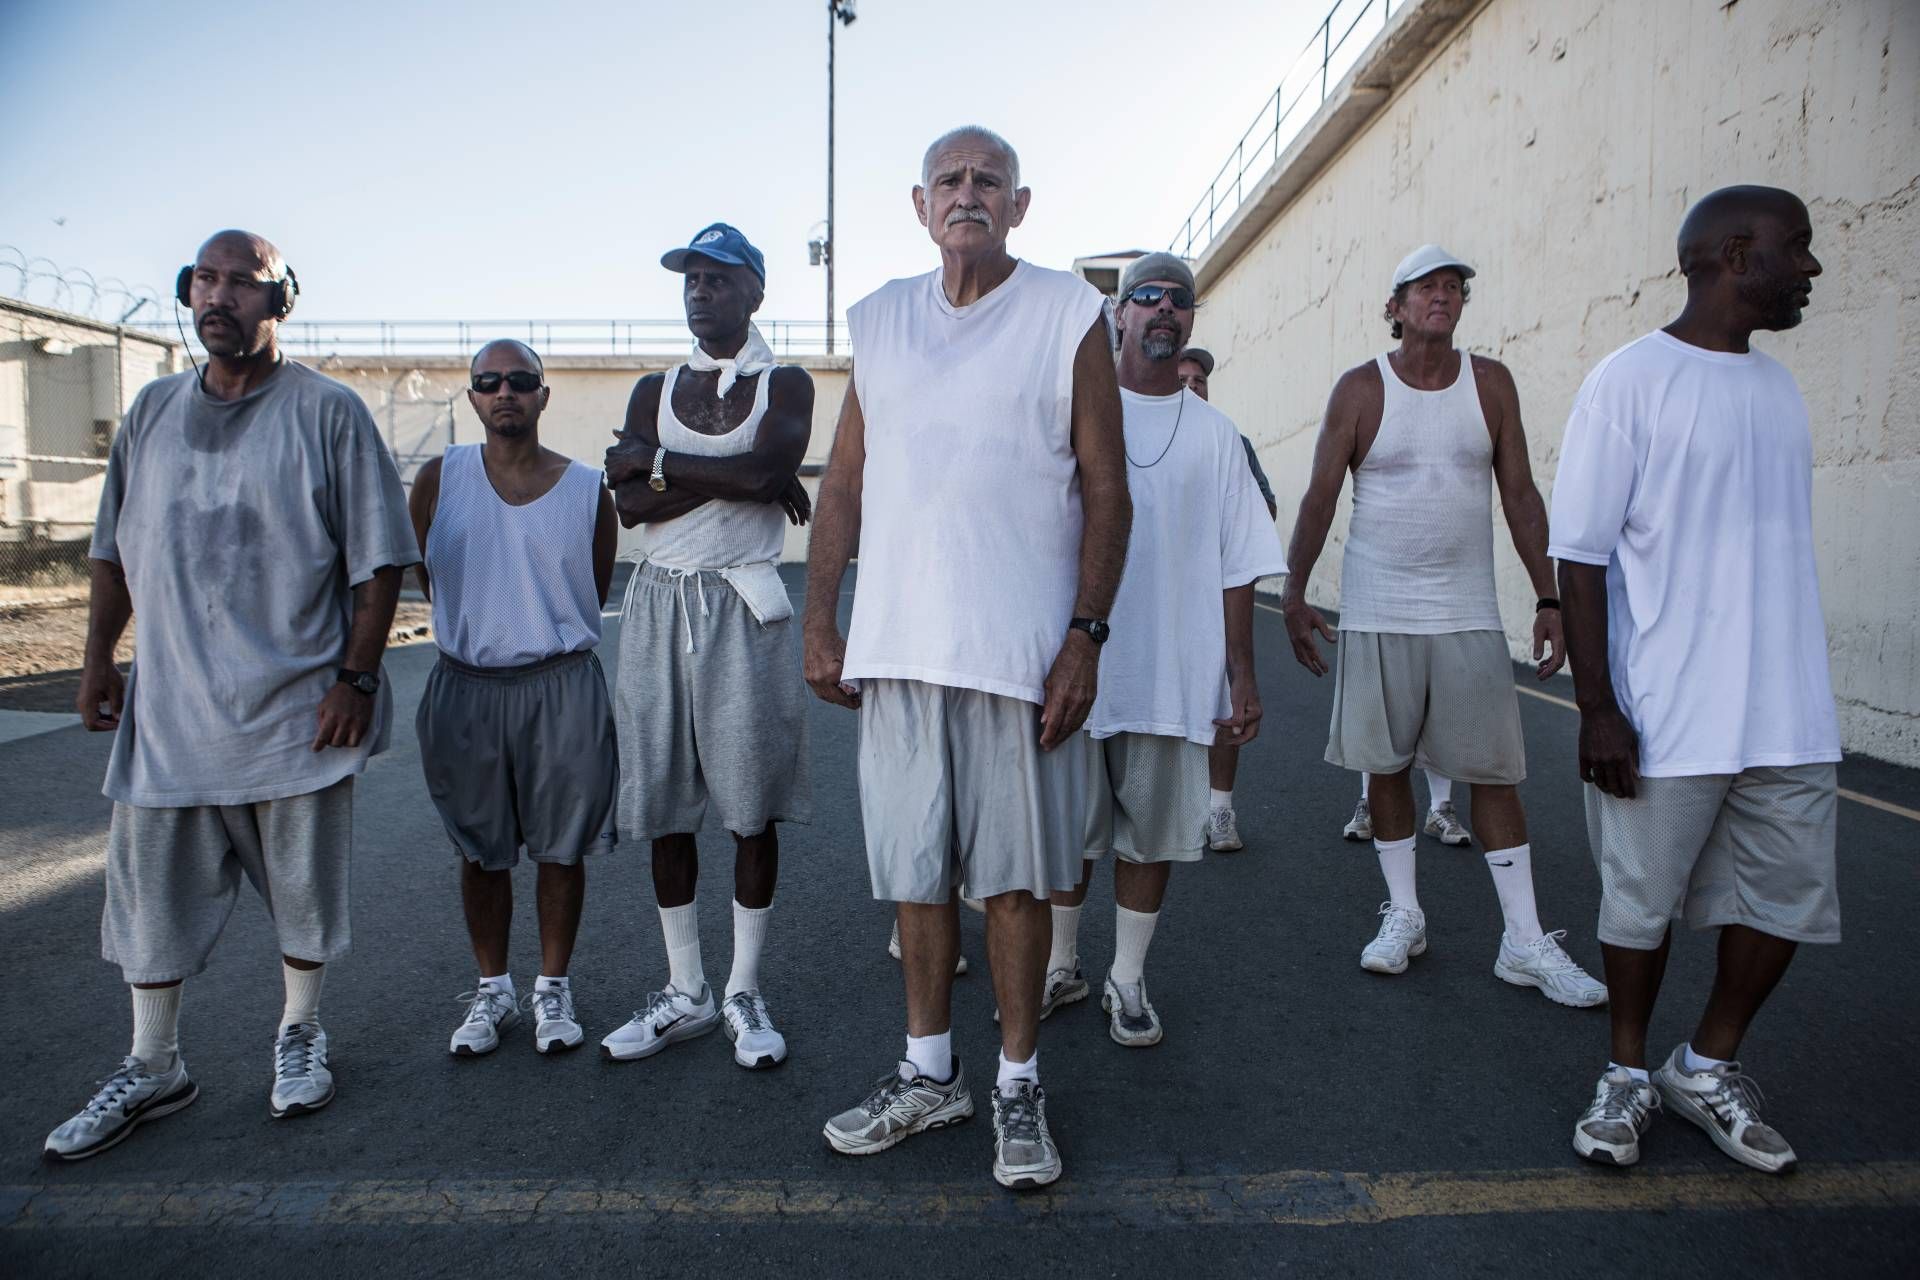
{"x": 367, "y": 682}
{"x": 1096, "y": 628}
{"x": 1547, "y": 602}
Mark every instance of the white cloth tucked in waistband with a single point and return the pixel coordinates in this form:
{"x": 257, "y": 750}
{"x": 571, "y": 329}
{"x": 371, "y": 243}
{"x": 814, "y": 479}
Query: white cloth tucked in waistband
{"x": 757, "y": 584}
{"x": 754, "y": 357}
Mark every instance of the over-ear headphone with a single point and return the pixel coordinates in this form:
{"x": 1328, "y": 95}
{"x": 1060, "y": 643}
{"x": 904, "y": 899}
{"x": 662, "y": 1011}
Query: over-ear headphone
{"x": 285, "y": 290}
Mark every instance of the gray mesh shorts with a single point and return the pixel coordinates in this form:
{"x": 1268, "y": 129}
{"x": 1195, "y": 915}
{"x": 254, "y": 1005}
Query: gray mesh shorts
{"x": 1147, "y": 798}
{"x": 1444, "y": 702}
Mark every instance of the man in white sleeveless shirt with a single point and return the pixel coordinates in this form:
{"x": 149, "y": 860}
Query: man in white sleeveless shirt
{"x": 1424, "y": 677}
{"x": 979, "y": 466}
{"x": 708, "y": 696}
{"x": 1683, "y": 524}
{"x": 515, "y": 724}
{"x": 1177, "y": 678}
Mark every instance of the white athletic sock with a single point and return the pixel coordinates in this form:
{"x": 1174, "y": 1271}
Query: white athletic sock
{"x": 749, "y": 933}
{"x": 303, "y": 994}
{"x": 1363, "y": 784}
{"x": 930, "y": 1056}
{"x": 1219, "y": 801}
{"x": 1066, "y": 939}
{"x": 1439, "y": 790}
{"x": 1513, "y": 880}
{"x": 1011, "y": 1071}
{"x": 1132, "y": 935}
{"x": 1396, "y": 864}
{"x": 1638, "y": 1073}
{"x": 1697, "y": 1063}
{"x": 681, "y": 925}
{"x": 546, "y": 983}
{"x": 156, "y": 1025}
{"x": 500, "y": 982}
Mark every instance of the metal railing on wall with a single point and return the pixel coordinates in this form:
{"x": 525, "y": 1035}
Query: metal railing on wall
{"x": 618, "y": 338}
{"x": 1302, "y": 89}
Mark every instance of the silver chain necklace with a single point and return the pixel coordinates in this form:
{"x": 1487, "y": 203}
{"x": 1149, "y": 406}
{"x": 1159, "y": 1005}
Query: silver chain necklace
{"x": 1147, "y": 466}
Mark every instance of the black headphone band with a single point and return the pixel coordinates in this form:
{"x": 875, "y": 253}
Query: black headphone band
{"x": 285, "y": 290}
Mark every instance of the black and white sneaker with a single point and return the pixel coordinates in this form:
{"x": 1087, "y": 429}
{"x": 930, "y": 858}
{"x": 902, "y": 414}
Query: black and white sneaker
{"x": 670, "y": 1017}
{"x": 301, "y": 1079}
{"x": 127, "y": 1099}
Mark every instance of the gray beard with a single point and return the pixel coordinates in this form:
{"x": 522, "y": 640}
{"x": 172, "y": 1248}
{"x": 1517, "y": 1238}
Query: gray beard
{"x": 1158, "y": 344}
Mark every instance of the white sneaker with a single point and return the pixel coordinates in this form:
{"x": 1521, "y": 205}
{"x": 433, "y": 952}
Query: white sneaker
{"x": 1543, "y": 963}
{"x": 126, "y": 1100}
{"x": 1132, "y": 1020}
{"x": 1403, "y": 933}
{"x": 755, "y": 1043}
{"x": 555, "y": 1029}
{"x": 898, "y": 1107}
{"x": 1064, "y": 986}
{"x": 1726, "y": 1103}
{"x": 1610, "y": 1129}
{"x": 1444, "y": 825}
{"x": 490, "y": 1011}
{"x": 670, "y": 1016}
{"x": 1024, "y": 1154}
{"x": 1360, "y": 826}
{"x": 1223, "y": 833}
{"x": 893, "y": 943}
{"x": 301, "y": 1080}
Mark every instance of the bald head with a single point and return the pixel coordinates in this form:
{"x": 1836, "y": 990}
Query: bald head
{"x": 1731, "y": 213}
{"x": 504, "y": 355}
{"x": 971, "y": 135}
{"x": 231, "y": 290}
{"x": 263, "y": 251}
{"x": 1747, "y": 254}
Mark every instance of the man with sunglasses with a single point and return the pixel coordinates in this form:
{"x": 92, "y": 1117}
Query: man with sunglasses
{"x": 254, "y": 520}
{"x": 708, "y": 695}
{"x": 515, "y": 725}
{"x": 1179, "y": 672}
{"x": 1424, "y": 674}
{"x": 979, "y": 467}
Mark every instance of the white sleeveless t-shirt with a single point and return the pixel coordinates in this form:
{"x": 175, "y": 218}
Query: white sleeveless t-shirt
{"x": 1419, "y": 558}
{"x": 717, "y": 534}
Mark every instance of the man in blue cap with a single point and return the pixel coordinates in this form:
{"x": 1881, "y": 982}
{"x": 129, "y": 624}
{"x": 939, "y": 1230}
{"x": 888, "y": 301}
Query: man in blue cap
{"x": 708, "y": 701}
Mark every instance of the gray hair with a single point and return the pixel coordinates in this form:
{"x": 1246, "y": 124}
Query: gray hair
{"x": 971, "y": 133}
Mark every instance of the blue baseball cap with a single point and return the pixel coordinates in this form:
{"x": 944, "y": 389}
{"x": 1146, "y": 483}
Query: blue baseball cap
{"x": 721, "y": 243}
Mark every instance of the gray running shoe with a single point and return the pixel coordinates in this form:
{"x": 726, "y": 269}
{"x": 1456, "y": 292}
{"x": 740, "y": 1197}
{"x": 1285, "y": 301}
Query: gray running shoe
{"x": 1726, "y": 1103}
{"x": 1444, "y": 825}
{"x": 893, "y": 946}
{"x": 490, "y": 1011}
{"x": 1360, "y": 826}
{"x": 555, "y": 1028}
{"x": 1223, "y": 832}
{"x": 301, "y": 1080}
{"x": 756, "y": 1043}
{"x": 127, "y": 1099}
{"x": 1132, "y": 1020}
{"x": 1610, "y": 1129}
{"x": 1064, "y": 986}
{"x": 1024, "y": 1156}
{"x": 898, "y": 1108}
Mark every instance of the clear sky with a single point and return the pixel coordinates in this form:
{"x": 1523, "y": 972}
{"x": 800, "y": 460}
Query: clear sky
{"x": 441, "y": 160}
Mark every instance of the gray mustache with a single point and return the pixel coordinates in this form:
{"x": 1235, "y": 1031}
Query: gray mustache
{"x": 963, "y": 214}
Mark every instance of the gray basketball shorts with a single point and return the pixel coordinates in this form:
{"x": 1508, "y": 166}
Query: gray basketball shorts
{"x": 957, "y": 777}
{"x": 1443, "y": 702}
{"x": 521, "y": 757}
{"x": 173, "y": 876}
{"x": 1753, "y": 848}
{"x": 711, "y": 706}
{"x": 1147, "y": 798}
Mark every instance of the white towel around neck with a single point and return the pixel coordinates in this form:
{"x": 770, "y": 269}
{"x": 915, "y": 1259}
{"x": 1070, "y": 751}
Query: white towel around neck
{"x": 755, "y": 357}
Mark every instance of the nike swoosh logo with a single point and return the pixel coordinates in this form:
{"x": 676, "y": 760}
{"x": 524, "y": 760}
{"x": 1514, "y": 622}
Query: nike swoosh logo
{"x": 661, "y": 1028}
{"x": 1499, "y": 864}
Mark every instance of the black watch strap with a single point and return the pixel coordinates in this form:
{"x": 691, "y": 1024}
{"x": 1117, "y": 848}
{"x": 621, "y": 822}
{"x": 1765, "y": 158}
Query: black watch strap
{"x": 1096, "y": 628}
{"x": 1546, "y": 602}
{"x": 367, "y": 682}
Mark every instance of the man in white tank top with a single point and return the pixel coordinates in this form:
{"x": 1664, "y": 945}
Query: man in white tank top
{"x": 708, "y": 695}
{"x": 979, "y": 468}
{"x": 1424, "y": 676}
{"x": 515, "y": 724}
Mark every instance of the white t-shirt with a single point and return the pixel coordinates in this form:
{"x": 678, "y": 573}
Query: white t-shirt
{"x": 1689, "y": 474}
{"x": 970, "y": 509}
{"x": 1200, "y": 527}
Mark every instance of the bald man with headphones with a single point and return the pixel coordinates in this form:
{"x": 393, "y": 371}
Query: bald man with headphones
{"x": 254, "y": 521}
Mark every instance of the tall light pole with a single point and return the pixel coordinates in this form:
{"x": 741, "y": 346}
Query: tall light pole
{"x": 838, "y": 12}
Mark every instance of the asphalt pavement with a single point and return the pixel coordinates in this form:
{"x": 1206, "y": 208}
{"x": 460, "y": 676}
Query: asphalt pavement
{"x": 1301, "y": 1115}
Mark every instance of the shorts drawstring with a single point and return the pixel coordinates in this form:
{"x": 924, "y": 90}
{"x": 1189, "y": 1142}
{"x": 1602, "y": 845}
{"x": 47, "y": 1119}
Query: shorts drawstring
{"x": 679, "y": 578}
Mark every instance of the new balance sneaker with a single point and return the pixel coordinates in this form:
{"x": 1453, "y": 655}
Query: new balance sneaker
{"x": 1403, "y": 933}
{"x": 755, "y": 1043}
{"x": 1726, "y": 1103}
{"x": 301, "y": 1080}
{"x": 1223, "y": 833}
{"x": 1024, "y": 1156}
{"x": 670, "y": 1016}
{"x": 127, "y": 1099}
{"x": 555, "y": 1029}
{"x": 1444, "y": 825}
{"x": 1360, "y": 825}
{"x": 1543, "y": 963}
{"x": 490, "y": 1011}
{"x": 1132, "y": 1020}
{"x": 1610, "y": 1129}
{"x": 897, "y": 1108}
{"x": 1064, "y": 986}
{"x": 893, "y": 943}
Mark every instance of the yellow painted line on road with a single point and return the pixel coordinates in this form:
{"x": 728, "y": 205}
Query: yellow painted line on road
{"x": 1294, "y": 1198}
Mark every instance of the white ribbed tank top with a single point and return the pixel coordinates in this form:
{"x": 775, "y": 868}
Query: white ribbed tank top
{"x": 1419, "y": 557}
{"x": 512, "y": 585}
{"x": 719, "y": 533}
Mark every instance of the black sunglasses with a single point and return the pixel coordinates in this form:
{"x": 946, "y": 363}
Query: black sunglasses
{"x": 1149, "y": 295}
{"x": 520, "y": 380}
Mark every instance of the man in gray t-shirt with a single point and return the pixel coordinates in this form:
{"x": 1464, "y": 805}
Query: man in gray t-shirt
{"x": 254, "y": 520}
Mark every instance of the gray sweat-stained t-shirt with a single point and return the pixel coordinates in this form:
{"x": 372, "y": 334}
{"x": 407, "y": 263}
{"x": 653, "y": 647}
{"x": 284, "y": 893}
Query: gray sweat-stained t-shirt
{"x": 242, "y": 526}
